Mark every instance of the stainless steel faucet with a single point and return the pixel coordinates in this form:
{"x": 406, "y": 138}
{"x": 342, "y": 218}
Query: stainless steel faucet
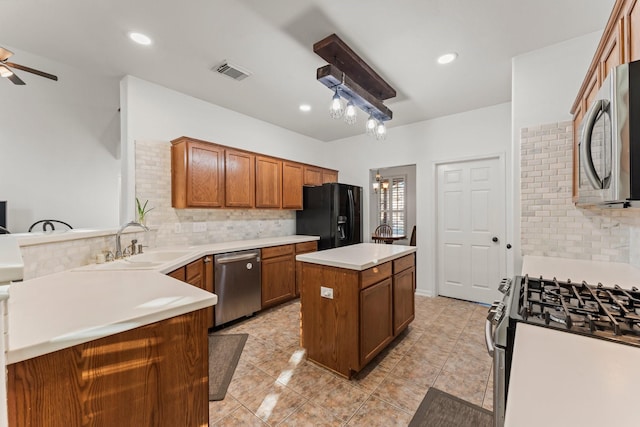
{"x": 122, "y": 228}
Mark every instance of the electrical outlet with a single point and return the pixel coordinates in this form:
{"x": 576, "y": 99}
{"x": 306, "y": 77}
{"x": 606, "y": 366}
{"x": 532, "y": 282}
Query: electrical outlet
{"x": 326, "y": 292}
{"x": 199, "y": 227}
{"x": 177, "y": 227}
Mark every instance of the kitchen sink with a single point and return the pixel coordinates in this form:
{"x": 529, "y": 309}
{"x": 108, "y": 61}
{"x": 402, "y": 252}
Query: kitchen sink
{"x": 145, "y": 261}
{"x": 159, "y": 257}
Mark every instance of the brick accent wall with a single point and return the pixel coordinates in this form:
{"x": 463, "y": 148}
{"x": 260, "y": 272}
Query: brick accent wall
{"x": 551, "y": 225}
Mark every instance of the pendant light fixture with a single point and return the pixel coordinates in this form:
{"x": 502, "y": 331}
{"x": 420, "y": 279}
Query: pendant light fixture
{"x": 351, "y": 78}
{"x": 371, "y": 125}
{"x": 350, "y": 113}
{"x": 335, "y": 109}
{"x": 381, "y": 131}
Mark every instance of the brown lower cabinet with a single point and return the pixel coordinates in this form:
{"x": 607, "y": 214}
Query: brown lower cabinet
{"x": 154, "y": 375}
{"x": 198, "y": 273}
{"x": 303, "y": 248}
{"x": 278, "y": 267}
{"x": 361, "y": 314}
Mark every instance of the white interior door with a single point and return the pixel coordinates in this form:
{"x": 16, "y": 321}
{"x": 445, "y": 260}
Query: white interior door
{"x": 471, "y": 229}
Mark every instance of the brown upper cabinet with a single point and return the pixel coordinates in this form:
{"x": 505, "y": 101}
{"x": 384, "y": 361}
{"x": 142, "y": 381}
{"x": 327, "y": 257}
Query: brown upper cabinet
{"x": 197, "y": 174}
{"x": 208, "y": 175}
{"x": 620, "y": 43}
{"x": 632, "y": 30}
{"x": 292, "y": 178}
{"x": 268, "y": 182}
{"x": 314, "y": 175}
{"x": 240, "y": 179}
{"x": 329, "y": 176}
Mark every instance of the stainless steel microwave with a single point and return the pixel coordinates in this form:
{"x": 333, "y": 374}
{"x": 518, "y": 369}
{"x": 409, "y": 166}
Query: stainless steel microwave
{"x": 609, "y": 145}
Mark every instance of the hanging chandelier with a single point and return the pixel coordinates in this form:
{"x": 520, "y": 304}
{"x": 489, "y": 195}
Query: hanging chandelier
{"x": 353, "y": 80}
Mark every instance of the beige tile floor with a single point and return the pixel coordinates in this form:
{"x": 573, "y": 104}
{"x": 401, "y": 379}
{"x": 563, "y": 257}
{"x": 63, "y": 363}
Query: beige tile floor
{"x": 275, "y": 385}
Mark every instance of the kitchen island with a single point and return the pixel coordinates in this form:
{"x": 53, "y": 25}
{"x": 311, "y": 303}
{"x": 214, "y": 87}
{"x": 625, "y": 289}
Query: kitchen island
{"x": 354, "y": 301}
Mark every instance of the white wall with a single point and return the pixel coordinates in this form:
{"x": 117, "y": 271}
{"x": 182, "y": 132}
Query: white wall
{"x": 481, "y": 132}
{"x": 545, "y": 83}
{"x": 60, "y": 146}
{"x": 153, "y": 112}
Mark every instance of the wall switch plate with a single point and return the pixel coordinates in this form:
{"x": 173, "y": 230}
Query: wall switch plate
{"x": 326, "y": 292}
{"x": 177, "y": 227}
{"x": 199, "y": 227}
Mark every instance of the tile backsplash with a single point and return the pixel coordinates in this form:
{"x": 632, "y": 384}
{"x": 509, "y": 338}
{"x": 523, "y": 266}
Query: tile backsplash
{"x": 551, "y": 225}
{"x": 176, "y": 226}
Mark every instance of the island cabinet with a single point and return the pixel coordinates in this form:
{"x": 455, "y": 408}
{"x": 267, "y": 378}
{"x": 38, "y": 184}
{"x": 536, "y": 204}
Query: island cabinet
{"x": 197, "y": 174}
{"x": 268, "y": 182}
{"x": 350, "y": 316}
{"x": 240, "y": 179}
{"x": 198, "y": 273}
{"x": 154, "y": 375}
{"x": 303, "y": 248}
{"x": 278, "y": 274}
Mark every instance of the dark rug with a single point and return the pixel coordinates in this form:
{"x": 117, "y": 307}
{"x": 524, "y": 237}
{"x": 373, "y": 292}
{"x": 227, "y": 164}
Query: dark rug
{"x": 224, "y": 353}
{"x": 440, "y": 409}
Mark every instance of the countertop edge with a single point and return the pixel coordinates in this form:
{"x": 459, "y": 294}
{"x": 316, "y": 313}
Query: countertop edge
{"x": 313, "y": 258}
{"x": 105, "y": 330}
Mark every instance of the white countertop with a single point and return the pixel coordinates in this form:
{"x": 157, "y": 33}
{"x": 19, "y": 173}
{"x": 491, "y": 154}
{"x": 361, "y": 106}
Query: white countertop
{"x": 564, "y": 379}
{"x": 593, "y": 272}
{"x": 357, "y": 257}
{"x": 11, "y": 265}
{"x": 57, "y": 311}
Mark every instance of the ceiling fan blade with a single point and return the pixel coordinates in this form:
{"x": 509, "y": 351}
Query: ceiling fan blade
{"x": 6, "y": 72}
{"x": 15, "y": 79}
{"x": 5, "y": 54}
{"x": 32, "y": 70}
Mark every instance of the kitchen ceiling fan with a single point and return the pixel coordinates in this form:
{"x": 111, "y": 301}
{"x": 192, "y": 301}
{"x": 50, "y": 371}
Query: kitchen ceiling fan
{"x": 6, "y": 69}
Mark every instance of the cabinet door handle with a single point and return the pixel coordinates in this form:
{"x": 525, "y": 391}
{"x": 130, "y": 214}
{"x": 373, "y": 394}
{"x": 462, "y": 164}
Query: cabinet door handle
{"x": 207, "y": 259}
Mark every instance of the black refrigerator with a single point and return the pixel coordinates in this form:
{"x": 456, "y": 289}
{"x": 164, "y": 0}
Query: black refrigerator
{"x": 332, "y": 211}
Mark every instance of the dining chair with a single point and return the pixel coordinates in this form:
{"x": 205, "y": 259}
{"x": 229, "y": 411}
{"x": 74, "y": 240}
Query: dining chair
{"x": 48, "y": 223}
{"x": 382, "y": 234}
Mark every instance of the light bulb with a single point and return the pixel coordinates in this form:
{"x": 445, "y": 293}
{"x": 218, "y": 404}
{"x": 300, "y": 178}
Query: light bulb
{"x": 381, "y": 131}
{"x": 350, "y": 114}
{"x": 335, "y": 110}
{"x": 371, "y": 125}
{"x": 5, "y": 72}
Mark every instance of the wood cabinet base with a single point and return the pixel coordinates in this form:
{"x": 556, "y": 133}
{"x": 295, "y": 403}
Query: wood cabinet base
{"x": 155, "y": 375}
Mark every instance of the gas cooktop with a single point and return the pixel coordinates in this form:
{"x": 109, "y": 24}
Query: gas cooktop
{"x": 611, "y": 313}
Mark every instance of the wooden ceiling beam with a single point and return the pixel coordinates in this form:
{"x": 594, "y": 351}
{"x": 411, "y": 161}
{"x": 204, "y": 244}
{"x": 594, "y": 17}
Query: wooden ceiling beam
{"x": 336, "y": 52}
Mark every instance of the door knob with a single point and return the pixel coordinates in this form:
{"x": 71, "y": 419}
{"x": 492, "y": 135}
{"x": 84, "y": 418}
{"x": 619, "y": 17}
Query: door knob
{"x": 494, "y": 240}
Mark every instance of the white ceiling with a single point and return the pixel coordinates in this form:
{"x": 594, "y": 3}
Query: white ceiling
{"x": 273, "y": 39}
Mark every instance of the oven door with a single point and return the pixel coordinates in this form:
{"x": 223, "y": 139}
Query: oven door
{"x": 496, "y": 338}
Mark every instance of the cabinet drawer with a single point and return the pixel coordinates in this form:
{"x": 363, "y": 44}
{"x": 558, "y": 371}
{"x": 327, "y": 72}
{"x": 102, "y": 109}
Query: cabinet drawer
{"x": 375, "y": 274}
{"x": 306, "y": 247}
{"x": 194, "y": 270}
{"x": 403, "y": 263}
{"x": 277, "y": 251}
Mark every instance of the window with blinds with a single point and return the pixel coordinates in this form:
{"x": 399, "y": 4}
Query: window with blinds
{"x": 392, "y": 206}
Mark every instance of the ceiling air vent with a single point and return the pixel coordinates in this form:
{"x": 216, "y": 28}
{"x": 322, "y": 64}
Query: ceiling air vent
{"x": 233, "y": 71}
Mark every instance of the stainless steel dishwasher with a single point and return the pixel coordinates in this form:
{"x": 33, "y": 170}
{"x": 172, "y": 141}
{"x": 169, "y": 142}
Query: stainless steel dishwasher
{"x": 237, "y": 284}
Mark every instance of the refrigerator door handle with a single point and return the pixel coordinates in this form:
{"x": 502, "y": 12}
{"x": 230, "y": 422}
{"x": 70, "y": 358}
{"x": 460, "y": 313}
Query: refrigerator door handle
{"x": 352, "y": 208}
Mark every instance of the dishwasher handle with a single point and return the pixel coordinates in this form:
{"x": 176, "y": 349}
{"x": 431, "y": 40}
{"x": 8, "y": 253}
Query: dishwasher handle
{"x": 235, "y": 258}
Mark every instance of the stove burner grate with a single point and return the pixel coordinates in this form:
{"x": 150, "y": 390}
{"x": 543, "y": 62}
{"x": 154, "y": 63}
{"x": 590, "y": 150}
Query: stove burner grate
{"x": 610, "y": 312}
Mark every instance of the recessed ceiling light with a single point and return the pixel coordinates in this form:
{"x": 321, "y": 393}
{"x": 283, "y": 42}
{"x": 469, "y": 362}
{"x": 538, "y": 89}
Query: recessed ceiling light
{"x": 140, "y": 38}
{"x": 447, "y": 58}
{"x": 305, "y": 108}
